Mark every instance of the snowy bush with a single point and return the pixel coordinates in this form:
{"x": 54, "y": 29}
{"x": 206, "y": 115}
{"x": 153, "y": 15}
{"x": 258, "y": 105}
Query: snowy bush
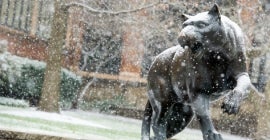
{"x": 22, "y": 78}
{"x": 13, "y": 102}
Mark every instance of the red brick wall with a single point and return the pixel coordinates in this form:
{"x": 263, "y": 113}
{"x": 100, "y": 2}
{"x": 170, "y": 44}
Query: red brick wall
{"x": 22, "y": 45}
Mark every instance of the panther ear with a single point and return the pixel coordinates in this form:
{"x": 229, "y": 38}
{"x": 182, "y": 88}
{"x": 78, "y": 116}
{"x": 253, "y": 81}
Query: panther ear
{"x": 185, "y": 17}
{"x": 215, "y": 11}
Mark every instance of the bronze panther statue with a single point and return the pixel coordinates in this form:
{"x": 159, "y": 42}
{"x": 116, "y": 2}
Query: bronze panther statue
{"x": 209, "y": 63}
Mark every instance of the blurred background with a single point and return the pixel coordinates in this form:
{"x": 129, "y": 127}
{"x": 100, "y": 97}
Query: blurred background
{"x": 105, "y": 49}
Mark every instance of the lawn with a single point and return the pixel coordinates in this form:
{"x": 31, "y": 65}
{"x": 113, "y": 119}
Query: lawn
{"x": 77, "y": 124}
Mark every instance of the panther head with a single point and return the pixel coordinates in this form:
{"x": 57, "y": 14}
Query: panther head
{"x": 202, "y": 31}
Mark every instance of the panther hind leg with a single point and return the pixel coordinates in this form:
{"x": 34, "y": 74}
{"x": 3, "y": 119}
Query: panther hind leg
{"x": 178, "y": 118}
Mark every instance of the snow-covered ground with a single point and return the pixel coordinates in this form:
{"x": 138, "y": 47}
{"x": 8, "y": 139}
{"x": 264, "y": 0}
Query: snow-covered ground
{"x": 79, "y": 124}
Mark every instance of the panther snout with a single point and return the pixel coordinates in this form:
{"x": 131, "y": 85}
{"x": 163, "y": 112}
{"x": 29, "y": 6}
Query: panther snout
{"x": 190, "y": 40}
{"x": 187, "y": 36}
{"x": 183, "y": 39}
{"x": 186, "y": 39}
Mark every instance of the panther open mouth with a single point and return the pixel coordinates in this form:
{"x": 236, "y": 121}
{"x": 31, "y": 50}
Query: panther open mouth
{"x": 192, "y": 43}
{"x": 196, "y": 47}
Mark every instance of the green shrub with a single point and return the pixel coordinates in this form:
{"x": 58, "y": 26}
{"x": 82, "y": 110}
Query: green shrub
{"x": 22, "y": 78}
{"x": 29, "y": 84}
{"x": 4, "y": 84}
{"x": 69, "y": 86}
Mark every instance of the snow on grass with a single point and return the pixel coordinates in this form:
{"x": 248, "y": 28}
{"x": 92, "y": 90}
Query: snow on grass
{"x": 28, "y": 119}
{"x": 32, "y": 113}
{"x": 79, "y": 124}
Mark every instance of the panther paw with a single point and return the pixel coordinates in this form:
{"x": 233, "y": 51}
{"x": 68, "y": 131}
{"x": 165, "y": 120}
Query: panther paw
{"x": 210, "y": 135}
{"x": 231, "y": 103}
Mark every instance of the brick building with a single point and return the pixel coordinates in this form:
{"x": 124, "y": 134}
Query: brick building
{"x": 118, "y": 47}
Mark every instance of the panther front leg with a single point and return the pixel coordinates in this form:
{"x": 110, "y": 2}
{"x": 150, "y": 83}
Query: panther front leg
{"x": 201, "y": 108}
{"x": 232, "y": 101}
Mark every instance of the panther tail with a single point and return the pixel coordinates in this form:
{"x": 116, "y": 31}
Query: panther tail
{"x": 145, "y": 131}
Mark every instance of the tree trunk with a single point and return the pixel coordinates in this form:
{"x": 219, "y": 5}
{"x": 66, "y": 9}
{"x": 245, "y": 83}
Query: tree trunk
{"x": 51, "y": 87}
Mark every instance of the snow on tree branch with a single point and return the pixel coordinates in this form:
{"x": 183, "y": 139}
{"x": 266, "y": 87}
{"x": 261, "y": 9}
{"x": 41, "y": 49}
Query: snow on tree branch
{"x": 112, "y": 12}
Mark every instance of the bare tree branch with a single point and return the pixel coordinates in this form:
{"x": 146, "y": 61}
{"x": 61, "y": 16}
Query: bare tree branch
{"x": 112, "y": 12}
{"x": 79, "y": 99}
{"x": 89, "y": 83}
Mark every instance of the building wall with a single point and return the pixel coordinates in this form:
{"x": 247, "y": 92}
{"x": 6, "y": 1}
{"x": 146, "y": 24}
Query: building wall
{"x": 23, "y": 45}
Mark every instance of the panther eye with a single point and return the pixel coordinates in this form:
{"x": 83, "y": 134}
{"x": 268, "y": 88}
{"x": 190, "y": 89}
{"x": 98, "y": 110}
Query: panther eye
{"x": 202, "y": 25}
